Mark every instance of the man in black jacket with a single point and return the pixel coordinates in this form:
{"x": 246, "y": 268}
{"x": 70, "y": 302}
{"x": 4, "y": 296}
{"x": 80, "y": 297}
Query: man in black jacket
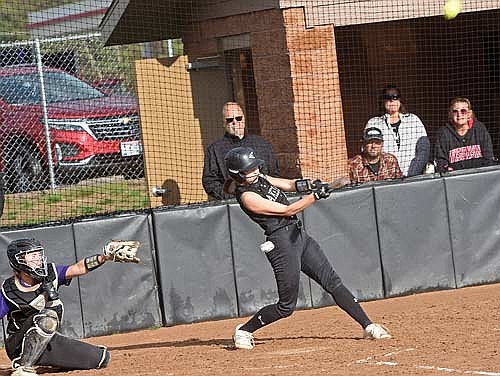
{"x": 214, "y": 170}
{"x": 464, "y": 142}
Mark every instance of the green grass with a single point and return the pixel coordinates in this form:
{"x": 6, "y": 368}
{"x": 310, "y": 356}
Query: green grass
{"x": 53, "y": 198}
{"x": 99, "y": 196}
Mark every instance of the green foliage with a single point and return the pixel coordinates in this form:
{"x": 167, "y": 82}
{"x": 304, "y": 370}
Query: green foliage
{"x": 14, "y": 16}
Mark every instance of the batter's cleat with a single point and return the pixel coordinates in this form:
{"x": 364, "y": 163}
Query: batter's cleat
{"x": 24, "y": 371}
{"x": 376, "y": 331}
{"x": 243, "y": 339}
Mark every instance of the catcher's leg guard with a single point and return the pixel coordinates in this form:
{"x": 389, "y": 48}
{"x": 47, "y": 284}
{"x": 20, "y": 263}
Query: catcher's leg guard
{"x": 106, "y": 357}
{"x": 71, "y": 354}
{"x": 36, "y": 339}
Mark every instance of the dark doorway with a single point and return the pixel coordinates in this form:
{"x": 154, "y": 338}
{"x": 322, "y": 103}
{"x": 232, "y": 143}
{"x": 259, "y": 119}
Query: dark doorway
{"x": 239, "y": 68}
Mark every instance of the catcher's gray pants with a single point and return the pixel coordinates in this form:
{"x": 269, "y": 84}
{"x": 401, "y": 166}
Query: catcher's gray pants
{"x": 61, "y": 351}
{"x": 295, "y": 251}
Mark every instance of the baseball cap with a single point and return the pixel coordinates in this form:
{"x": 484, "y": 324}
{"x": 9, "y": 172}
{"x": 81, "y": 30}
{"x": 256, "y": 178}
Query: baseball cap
{"x": 372, "y": 133}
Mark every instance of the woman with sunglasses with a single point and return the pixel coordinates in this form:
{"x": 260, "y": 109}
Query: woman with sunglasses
{"x": 464, "y": 142}
{"x": 405, "y": 136}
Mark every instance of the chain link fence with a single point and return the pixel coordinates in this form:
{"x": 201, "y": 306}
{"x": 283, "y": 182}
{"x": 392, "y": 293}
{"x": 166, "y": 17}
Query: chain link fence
{"x": 69, "y": 113}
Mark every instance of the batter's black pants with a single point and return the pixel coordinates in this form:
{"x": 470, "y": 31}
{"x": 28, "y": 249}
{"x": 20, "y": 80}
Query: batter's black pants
{"x": 295, "y": 251}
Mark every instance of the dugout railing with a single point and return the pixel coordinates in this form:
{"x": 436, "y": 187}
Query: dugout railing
{"x": 203, "y": 263}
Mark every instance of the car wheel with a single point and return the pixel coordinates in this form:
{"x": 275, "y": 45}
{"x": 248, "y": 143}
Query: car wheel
{"x": 24, "y": 170}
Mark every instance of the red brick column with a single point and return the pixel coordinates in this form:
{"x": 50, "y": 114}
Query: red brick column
{"x": 317, "y": 98}
{"x": 297, "y": 87}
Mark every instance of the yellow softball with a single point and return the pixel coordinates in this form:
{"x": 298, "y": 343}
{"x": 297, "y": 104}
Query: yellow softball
{"x": 451, "y": 9}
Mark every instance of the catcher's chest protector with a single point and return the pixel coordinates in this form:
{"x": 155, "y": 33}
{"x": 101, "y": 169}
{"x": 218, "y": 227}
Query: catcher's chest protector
{"x": 26, "y": 302}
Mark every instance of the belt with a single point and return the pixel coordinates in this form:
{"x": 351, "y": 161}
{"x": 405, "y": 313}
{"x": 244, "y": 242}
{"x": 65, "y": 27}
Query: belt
{"x": 297, "y": 224}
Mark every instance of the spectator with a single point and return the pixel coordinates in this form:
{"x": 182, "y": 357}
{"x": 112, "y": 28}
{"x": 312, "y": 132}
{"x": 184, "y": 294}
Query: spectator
{"x": 214, "y": 170}
{"x": 404, "y": 134}
{"x": 464, "y": 142}
{"x": 373, "y": 164}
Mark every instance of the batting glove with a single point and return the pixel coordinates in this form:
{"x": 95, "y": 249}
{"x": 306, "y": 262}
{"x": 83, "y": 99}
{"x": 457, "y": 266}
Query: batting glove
{"x": 321, "y": 190}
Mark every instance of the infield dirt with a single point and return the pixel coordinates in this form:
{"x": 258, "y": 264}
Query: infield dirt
{"x": 453, "y": 332}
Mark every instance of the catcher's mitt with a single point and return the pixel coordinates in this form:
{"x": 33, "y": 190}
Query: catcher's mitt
{"x": 122, "y": 251}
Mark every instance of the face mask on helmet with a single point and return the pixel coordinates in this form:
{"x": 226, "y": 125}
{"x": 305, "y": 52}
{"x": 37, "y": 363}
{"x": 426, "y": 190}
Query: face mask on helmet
{"x": 28, "y": 255}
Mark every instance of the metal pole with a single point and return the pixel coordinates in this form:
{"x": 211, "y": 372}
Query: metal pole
{"x": 45, "y": 115}
{"x": 170, "y": 46}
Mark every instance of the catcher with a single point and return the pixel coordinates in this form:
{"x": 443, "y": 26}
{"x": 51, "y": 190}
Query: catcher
{"x": 30, "y": 299}
{"x": 289, "y": 249}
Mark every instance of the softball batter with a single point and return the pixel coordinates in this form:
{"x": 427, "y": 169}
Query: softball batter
{"x": 290, "y": 249}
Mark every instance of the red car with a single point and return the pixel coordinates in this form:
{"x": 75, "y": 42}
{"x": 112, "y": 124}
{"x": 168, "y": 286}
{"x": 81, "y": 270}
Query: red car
{"x": 87, "y": 133}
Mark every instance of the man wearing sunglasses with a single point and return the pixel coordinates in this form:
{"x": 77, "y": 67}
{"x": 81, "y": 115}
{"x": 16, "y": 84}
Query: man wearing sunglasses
{"x": 464, "y": 142}
{"x": 404, "y": 133}
{"x": 235, "y": 135}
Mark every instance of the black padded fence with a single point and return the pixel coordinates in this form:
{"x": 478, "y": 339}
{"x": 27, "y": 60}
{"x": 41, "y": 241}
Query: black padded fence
{"x": 414, "y": 237}
{"x": 121, "y": 297}
{"x": 195, "y": 264}
{"x": 204, "y": 263}
{"x": 345, "y": 227}
{"x": 473, "y": 204}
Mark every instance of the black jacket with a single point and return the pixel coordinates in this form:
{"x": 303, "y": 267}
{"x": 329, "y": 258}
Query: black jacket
{"x": 214, "y": 170}
{"x": 455, "y": 152}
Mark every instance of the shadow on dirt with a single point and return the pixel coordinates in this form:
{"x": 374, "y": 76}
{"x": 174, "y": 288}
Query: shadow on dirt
{"x": 224, "y": 343}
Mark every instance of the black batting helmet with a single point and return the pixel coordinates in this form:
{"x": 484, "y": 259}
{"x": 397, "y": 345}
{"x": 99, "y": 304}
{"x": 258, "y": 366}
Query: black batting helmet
{"x": 17, "y": 251}
{"x": 240, "y": 160}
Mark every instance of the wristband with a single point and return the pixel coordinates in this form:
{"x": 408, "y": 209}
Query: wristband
{"x": 303, "y": 186}
{"x": 92, "y": 262}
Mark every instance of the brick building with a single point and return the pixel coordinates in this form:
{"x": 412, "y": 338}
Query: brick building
{"x": 308, "y": 71}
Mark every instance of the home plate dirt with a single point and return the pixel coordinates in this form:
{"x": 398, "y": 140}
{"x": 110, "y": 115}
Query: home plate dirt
{"x": 453, "y": 332}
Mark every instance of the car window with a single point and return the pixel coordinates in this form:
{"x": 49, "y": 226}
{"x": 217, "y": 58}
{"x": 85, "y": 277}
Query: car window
{"x": 59, "y": 87}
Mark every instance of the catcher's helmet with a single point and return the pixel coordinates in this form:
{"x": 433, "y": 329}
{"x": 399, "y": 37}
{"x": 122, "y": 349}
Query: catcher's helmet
{"x": 240, "y": 160}
{"x": 17, "y": 251}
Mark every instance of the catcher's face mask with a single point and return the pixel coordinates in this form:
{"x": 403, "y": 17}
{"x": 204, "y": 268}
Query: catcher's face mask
{"x": 34, "y": 263}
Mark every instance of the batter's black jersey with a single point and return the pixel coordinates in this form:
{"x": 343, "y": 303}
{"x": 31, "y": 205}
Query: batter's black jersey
{"x": 264, "y": 189}
{"x": 214, "y": 169}
{"x": 26, "y": 301}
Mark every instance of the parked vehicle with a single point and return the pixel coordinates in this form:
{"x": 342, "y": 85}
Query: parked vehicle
{"x": 90, "y": 133}
{"x": 114, "y": 86}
